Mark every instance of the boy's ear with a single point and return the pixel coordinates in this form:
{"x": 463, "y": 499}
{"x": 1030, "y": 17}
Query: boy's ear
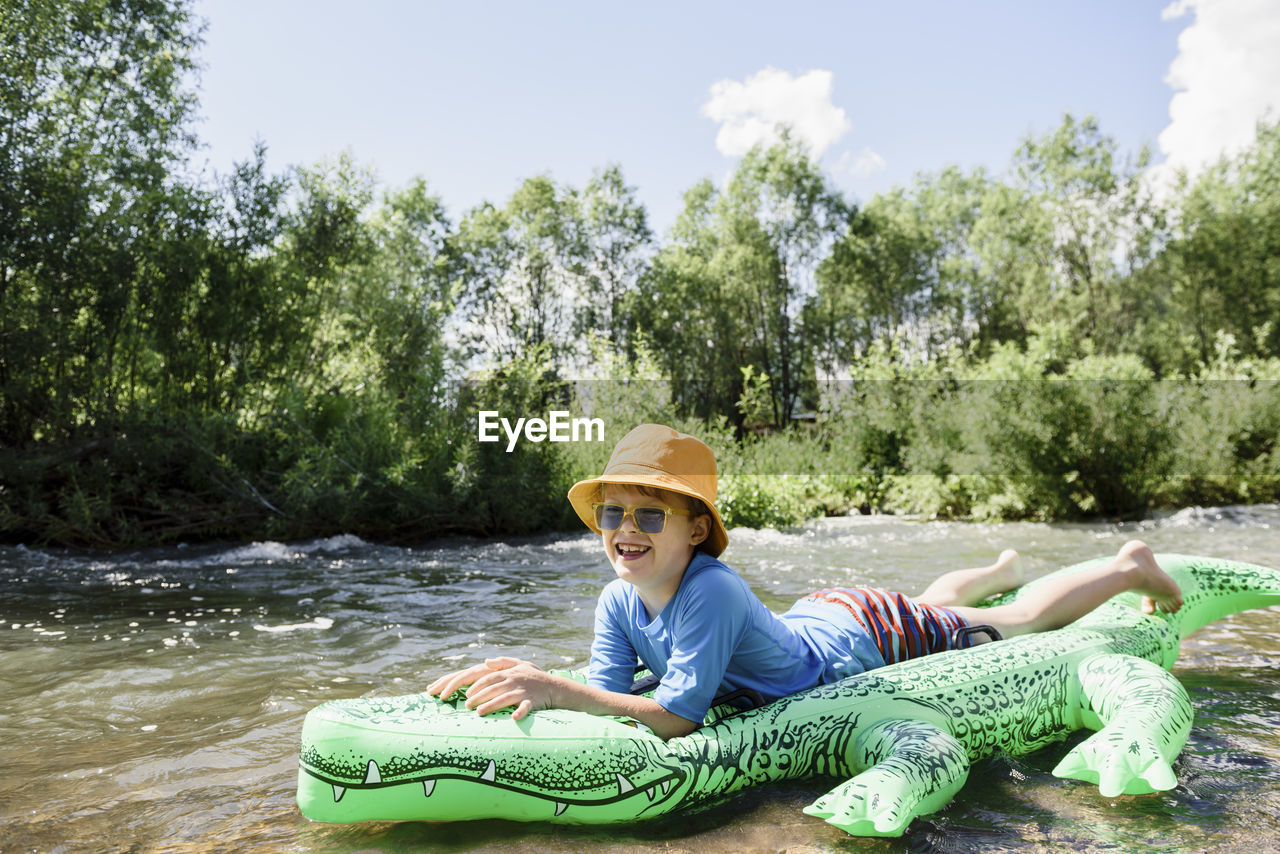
{"x": 701, "y": 529}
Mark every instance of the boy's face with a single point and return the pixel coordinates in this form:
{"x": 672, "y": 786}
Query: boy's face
{"x": 654, "y": 563}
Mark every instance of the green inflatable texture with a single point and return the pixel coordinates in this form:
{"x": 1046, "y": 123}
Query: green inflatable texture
{"x": 901, "y": 737}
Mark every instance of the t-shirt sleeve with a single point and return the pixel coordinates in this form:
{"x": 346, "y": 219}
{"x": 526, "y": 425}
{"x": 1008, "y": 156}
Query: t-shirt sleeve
{"x": 708, "y": 628}
{"x": 613, "y": 658}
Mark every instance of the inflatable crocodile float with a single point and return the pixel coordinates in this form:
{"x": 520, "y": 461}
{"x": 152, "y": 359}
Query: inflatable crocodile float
{"x": 901, "y": 737}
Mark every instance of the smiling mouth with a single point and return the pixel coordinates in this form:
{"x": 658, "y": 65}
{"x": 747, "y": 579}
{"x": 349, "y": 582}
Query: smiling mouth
{"x": 629, "y": 551}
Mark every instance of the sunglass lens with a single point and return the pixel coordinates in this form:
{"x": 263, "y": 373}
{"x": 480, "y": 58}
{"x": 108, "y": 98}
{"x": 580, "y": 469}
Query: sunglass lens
{"x": 609, "y": 516}
{"x": 651, "y": 520}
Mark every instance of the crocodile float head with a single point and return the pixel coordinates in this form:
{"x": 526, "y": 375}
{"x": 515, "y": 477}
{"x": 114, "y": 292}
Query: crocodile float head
{"x": 439, "y": 759}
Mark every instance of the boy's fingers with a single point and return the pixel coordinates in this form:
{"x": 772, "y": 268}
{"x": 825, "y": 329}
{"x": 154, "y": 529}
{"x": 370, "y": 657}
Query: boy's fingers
{"x": 494, "y": 680}
{"x": 440, "y": 682}
{"x": 485, "y": 680}
{"x": 482, "y": 690}
{"x": 494, "y": 688}
{"x": 450, "y": 687}
{"x": 472, "y": 676}
{"x": 505, "y": 700}
{"x": 495, "y": 700}
{"x": 449, "y": 683}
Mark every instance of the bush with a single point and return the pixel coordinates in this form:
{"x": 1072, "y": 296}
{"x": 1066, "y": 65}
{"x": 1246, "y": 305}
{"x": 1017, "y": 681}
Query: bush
{"x": 1225, "y": 427}
{"x": 761, "y": 501}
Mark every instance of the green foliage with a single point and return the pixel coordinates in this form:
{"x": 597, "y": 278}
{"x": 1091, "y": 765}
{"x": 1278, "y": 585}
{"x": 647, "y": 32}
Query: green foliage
{"x": 1090, "y": 441}
{"x": 520, "y": 490}
{"x": 303, "y": 353}
{"x": 617, "y": 246}
{"x": 757, "y": 393}
{"x": 1224, "y": 265}
{"x": 550, "y": 268}
{"x": 735, "y": 284}
{"x": 781, "y": 479}
{"x": 517, "y": 267}
{"x": 902, "y": 268}
{"x": 761, "y": 501}
{"x": 682, "y": 306}
{"x": 1226, "y": 431}
{"x": 93, "y": 119}
{"x": 625, "y": 392}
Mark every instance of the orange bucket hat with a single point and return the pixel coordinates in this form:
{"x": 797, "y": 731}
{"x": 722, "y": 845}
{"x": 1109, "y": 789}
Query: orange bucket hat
{"x": 657, "y": 456}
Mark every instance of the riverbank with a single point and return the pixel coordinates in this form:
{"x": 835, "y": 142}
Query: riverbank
{"x": 1006, "y": 443}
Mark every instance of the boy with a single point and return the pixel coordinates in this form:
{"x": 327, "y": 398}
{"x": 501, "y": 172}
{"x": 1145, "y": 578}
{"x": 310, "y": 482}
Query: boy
{"x": 694, "y": 622}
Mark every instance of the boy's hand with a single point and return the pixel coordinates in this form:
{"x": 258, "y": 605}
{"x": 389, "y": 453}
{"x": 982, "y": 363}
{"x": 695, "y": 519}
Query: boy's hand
{"x": 499, "y": 683}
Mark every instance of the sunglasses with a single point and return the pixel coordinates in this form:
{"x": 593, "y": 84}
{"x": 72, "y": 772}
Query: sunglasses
{"x": 649, "y": 520}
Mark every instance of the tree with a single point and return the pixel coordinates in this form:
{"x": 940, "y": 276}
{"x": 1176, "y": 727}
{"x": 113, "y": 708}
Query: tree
{"x": 411, "y": 296}
{"x": 734, "y": 284}
{"x": 781, "y": 216}
{"x": 617, "y": 246}
{"x": 1064, "y": 240}
{"x": 327, "y": 245}
{"x": 1225, "y": 261}
{"x": 94, "y": 116}
{"x": 903, "y": 273}
{"x": 681, "y": 308}
{"x": 245, "y": 320}
{"x": 875, "y": 284}
{"x": 518, "y": 269}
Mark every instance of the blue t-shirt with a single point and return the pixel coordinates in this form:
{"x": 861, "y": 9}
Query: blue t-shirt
{"x": 715, "y": 636}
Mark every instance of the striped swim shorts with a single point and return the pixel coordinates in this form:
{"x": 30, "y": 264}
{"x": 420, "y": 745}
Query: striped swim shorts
{"x": 901, "y": 628}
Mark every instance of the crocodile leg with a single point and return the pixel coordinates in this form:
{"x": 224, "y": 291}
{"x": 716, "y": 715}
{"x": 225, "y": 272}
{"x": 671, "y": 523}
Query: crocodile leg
{"x": 1142, "y": 715}
{"x": 908, "y": 768}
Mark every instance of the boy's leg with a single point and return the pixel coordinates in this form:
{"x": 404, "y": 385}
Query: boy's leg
{"x": 971, "y": 586}
{"x": 1067, "y": 598}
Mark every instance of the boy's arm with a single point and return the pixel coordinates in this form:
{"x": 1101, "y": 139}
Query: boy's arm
{"x": 500, "y": 683}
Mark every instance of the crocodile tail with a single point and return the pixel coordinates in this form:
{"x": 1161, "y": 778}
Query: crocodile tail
{"x": 1212, "y": 588}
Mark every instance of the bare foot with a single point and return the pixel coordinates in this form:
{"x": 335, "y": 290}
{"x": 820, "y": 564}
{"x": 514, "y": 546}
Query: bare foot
{"x": 1008, "y": 570}
{"x": 1161, "y": 590}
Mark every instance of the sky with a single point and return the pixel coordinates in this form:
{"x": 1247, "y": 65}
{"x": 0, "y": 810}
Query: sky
{"x": 476, "y": 98}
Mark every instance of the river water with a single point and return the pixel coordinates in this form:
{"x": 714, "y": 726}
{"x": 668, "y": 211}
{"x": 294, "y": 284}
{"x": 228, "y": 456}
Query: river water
{"x": 151, "y": 701}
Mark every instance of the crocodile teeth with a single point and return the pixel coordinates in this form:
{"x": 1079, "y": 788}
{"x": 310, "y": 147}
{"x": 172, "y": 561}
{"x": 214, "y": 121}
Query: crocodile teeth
{"x": 372, "y": 774}
{"x": 666, "y": 786}
{"x": 624, "y": 785}
{"x": 338, "y": 792}
{"x": 489, "y": 773}
{"x": 652, "y": 792}
{"x": 428, "y": 786}
{"x": 561, "y": 807}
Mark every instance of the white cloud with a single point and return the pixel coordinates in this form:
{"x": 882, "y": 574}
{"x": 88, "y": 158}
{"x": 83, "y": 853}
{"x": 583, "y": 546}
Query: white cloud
{"x": 1226, "y": 77}
{"x": 751, "y": 110}
{"x": 861, "y": 164}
